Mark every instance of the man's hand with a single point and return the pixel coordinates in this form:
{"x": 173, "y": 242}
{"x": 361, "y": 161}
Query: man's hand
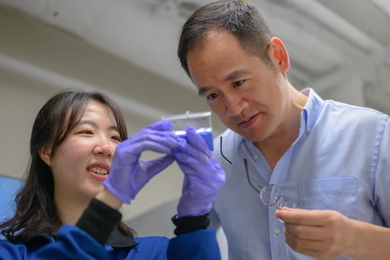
{"x": 322, "y": 234}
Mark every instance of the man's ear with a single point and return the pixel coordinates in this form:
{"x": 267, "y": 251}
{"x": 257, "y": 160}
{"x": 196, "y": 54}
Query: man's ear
{"x": 278, "y": 53}
{"x": 45, "y": 153}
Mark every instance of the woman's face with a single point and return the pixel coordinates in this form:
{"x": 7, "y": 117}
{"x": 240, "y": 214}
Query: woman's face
{"x": 82, "y": 162}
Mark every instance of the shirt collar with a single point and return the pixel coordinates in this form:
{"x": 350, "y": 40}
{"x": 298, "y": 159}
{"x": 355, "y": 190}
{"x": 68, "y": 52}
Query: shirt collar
{"x": 311, "y": 110}
{"x": 119, "y": 240}
{"x": 310, "y": 113}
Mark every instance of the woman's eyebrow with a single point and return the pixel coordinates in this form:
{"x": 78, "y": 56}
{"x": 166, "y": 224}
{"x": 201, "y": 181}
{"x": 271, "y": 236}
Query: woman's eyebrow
{"x": 95, "y": 125}
{"x": 88, "y": 122}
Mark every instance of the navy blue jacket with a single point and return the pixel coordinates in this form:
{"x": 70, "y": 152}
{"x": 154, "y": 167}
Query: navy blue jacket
{"x": 96, "y": 236}
{"x": 74, "y": 243}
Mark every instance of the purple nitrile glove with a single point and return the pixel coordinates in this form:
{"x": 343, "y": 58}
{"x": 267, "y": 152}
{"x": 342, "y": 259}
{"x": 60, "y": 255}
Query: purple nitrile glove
{"x": 128, "y": 174}
{"x": 203, "y": 176}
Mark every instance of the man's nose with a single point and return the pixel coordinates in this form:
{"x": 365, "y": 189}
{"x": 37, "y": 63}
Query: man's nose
{"x": 234, "y": 105}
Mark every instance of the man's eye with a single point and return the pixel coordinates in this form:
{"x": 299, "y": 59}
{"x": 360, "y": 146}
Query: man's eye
{"x": 212, "y": 96}
{"x": 239, "y": 83}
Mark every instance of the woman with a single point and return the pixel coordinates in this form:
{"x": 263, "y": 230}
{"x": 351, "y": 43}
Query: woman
{"x": 74, "y": 186}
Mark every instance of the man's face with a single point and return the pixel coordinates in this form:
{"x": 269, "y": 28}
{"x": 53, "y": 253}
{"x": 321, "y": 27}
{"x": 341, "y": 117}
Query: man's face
{"x": 248, "y": 96}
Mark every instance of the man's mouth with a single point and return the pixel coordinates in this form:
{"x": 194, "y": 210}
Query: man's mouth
{"x": 247, "y": 123}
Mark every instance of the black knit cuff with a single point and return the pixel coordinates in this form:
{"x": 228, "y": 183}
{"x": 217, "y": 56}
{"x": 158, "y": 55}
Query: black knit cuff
{"x": 99, "y": 220}
{"x": 189, "y": 224}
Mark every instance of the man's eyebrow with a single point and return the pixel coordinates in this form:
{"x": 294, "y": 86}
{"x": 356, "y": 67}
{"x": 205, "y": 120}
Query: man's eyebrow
{"x": 236, "y": 74}
{"x": 203, "y": 90}
{"x": 231, "y": 76}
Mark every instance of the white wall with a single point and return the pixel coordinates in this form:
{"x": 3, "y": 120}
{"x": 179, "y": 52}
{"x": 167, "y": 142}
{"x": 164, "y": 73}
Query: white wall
{"x": 351, "y": 91}
{"x": 18, "y": 107}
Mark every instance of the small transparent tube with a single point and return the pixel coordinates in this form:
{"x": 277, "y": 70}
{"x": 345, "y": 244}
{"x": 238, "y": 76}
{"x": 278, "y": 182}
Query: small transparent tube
{"x": 201, "y": 121}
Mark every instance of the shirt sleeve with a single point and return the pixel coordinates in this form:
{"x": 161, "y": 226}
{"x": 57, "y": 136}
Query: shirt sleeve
{"x": 196, "y": 245}
{"x": 194, "y": 241}
{"x": 12, "y": 251}
{"x": 382, "y": 172}
{"x": 72, "y": 243}
{"x": 189, "y": 224}
{"x": 99, "y": 220}
{"x": 84, "y": 241}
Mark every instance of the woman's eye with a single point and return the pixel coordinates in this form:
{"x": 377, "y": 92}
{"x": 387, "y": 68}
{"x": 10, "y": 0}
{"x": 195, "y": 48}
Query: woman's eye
{"x": 116, "y": 138}
{"x": 87, "y": 132}
{"x": 212, "y": 96}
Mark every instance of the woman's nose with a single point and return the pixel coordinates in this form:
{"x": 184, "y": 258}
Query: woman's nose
{"x": 103, "y": 148}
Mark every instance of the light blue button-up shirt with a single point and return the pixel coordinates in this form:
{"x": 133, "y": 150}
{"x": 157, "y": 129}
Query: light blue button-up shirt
{"x": 340, "y": 161}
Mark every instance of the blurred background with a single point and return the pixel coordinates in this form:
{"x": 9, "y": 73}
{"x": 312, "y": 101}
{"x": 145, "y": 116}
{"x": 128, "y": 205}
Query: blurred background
{"x": 127, "y": 49}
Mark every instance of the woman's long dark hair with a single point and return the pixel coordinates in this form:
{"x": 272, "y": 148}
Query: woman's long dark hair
{"x": 35, "y": 206}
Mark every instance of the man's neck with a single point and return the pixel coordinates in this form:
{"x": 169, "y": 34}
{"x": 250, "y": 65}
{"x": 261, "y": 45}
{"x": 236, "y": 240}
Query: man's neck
{"x": 275, "y": 146}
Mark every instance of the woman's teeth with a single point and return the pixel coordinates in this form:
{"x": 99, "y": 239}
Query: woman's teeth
{"x": 99, "y": 171}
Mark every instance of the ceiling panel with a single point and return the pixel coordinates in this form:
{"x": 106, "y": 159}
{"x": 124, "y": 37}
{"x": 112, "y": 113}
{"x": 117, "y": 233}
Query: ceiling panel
{"x": 328, "y": 40}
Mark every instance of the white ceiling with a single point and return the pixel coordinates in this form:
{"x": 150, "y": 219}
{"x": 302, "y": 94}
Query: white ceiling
{"x": 328, "y": 41}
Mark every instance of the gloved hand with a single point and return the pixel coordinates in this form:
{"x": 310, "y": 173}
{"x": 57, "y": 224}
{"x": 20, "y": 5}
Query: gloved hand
{"x": 128, "y": 174}
{"x": 203, "y": 176}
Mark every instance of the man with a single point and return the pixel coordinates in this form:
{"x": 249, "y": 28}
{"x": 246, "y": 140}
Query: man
{"x": 328, "y": 157}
